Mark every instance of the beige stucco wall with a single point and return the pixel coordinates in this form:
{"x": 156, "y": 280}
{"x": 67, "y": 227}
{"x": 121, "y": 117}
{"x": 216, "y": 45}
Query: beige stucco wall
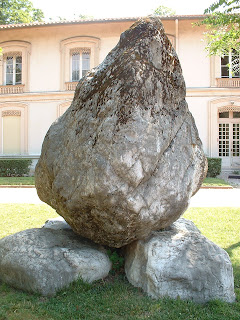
{"x": 45, "y": 97}
{"x": 45, "y": 57}
{"x": 193, "y": 57}
{"x": 199, "y": 109}
{"x": 41, "y": 116}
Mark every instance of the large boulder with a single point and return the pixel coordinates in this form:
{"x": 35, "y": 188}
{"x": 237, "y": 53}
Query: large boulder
{"x": 179, "y": 262}
{"x": 126, "y": 157}
{"x": 46, "y": 260}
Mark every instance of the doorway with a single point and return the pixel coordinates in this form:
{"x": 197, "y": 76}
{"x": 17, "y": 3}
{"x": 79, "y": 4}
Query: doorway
{"x": 229, "y": 138}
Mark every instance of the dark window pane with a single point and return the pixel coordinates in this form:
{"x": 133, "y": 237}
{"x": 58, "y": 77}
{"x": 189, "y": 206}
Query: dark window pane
{"x": 224, "y": 114}
{"x": 236, "y": 114}
{"x": 18, "y": 78}
{"x": 224, "y": 60}
{"x": 19, "y": 59}
{"x": 224, "y": 72}
{"x": 18, "y": 68}
{"x": 236, "y": 74}
{"x": 9, "y": 59}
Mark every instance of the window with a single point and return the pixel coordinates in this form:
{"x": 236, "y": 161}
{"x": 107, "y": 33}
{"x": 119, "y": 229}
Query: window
{"x": 230, "y": 65}
{"x": 13, "y": 68}
{"x": 229, "y": 132}
{"x": 78, "y": 56}
{"x": 80, "y": 63}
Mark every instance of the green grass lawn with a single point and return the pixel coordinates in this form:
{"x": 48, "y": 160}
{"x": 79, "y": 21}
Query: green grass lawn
{"x": 114, "y": 298}
{"x": 17, "y": 181}
{"x": 214, "y": 182}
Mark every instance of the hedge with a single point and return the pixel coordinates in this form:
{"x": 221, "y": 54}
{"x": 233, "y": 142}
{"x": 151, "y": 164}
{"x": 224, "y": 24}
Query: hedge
{"x": 14, "y": 167}
{"x": 214, "y": 167}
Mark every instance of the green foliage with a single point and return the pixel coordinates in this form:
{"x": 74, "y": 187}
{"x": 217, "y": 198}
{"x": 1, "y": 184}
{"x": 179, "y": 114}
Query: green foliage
{"x": 222, "y": 25}
{"x": 214, "y": 167}
{"x": 226, "y": 6}
{"x": 222, "y": 33}
{"x": 14, "y": 167}
{"x": 117, "y": 260}
{"x": 164, "y": 11}
{"x": 19, "y": 11}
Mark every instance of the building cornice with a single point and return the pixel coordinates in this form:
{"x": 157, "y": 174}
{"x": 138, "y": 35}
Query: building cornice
{"x": 212, "y": 91}
{"x": 37, "y": 96}
{"x": 94, "y": 21}
{"x": 68, "y": 95}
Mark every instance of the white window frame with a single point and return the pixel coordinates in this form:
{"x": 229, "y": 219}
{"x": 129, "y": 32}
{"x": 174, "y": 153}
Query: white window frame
{"x": 80, "y": 52}
{"x": 14, "y": 55}
{"x": 230, "y": 67}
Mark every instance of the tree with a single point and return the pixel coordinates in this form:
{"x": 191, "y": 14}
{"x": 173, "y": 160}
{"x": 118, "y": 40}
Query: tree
{"x": 19, "y": 11}
{"x": 224, "y": 6}
{"x": 223, "y": 27}
{"x": 164, "y": 11}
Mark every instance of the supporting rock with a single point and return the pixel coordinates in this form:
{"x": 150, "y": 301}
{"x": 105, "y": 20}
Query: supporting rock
{"x": 180, "y": 263}
{"x": 46, "y": 260}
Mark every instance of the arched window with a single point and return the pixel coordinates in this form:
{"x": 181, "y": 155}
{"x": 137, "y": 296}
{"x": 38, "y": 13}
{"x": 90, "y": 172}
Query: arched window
{"x": 14, "y": 68}
{"x": 78, "y": 56}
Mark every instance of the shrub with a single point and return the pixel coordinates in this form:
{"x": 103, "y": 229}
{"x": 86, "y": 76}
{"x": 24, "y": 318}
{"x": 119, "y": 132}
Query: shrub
{"x": 214, "y": 167}
{"x": 117, "y": 260}
{"x": 14, "y": 167}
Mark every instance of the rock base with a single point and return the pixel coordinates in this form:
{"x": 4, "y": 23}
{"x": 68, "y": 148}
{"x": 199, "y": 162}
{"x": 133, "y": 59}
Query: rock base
{"x": 179, "y": 262}
{"x": 46, "y": 260}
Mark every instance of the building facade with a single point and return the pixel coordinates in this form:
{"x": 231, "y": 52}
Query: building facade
{"x": 41, "y": 64}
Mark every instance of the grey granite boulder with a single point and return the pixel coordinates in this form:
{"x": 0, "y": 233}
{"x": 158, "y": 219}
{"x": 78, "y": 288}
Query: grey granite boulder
{"x": 46, "y": 260}
{"x": 180, "y": 263}
{"x": 126, "y": 157}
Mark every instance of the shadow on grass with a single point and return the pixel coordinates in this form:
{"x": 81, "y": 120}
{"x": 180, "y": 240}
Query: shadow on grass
{"x": 231, "y": 248}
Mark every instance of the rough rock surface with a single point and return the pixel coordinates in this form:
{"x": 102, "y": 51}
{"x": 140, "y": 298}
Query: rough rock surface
{"x": 180, "y": 263}
{"x": 126, "y": 157}
{"x": 46, "y": 260}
